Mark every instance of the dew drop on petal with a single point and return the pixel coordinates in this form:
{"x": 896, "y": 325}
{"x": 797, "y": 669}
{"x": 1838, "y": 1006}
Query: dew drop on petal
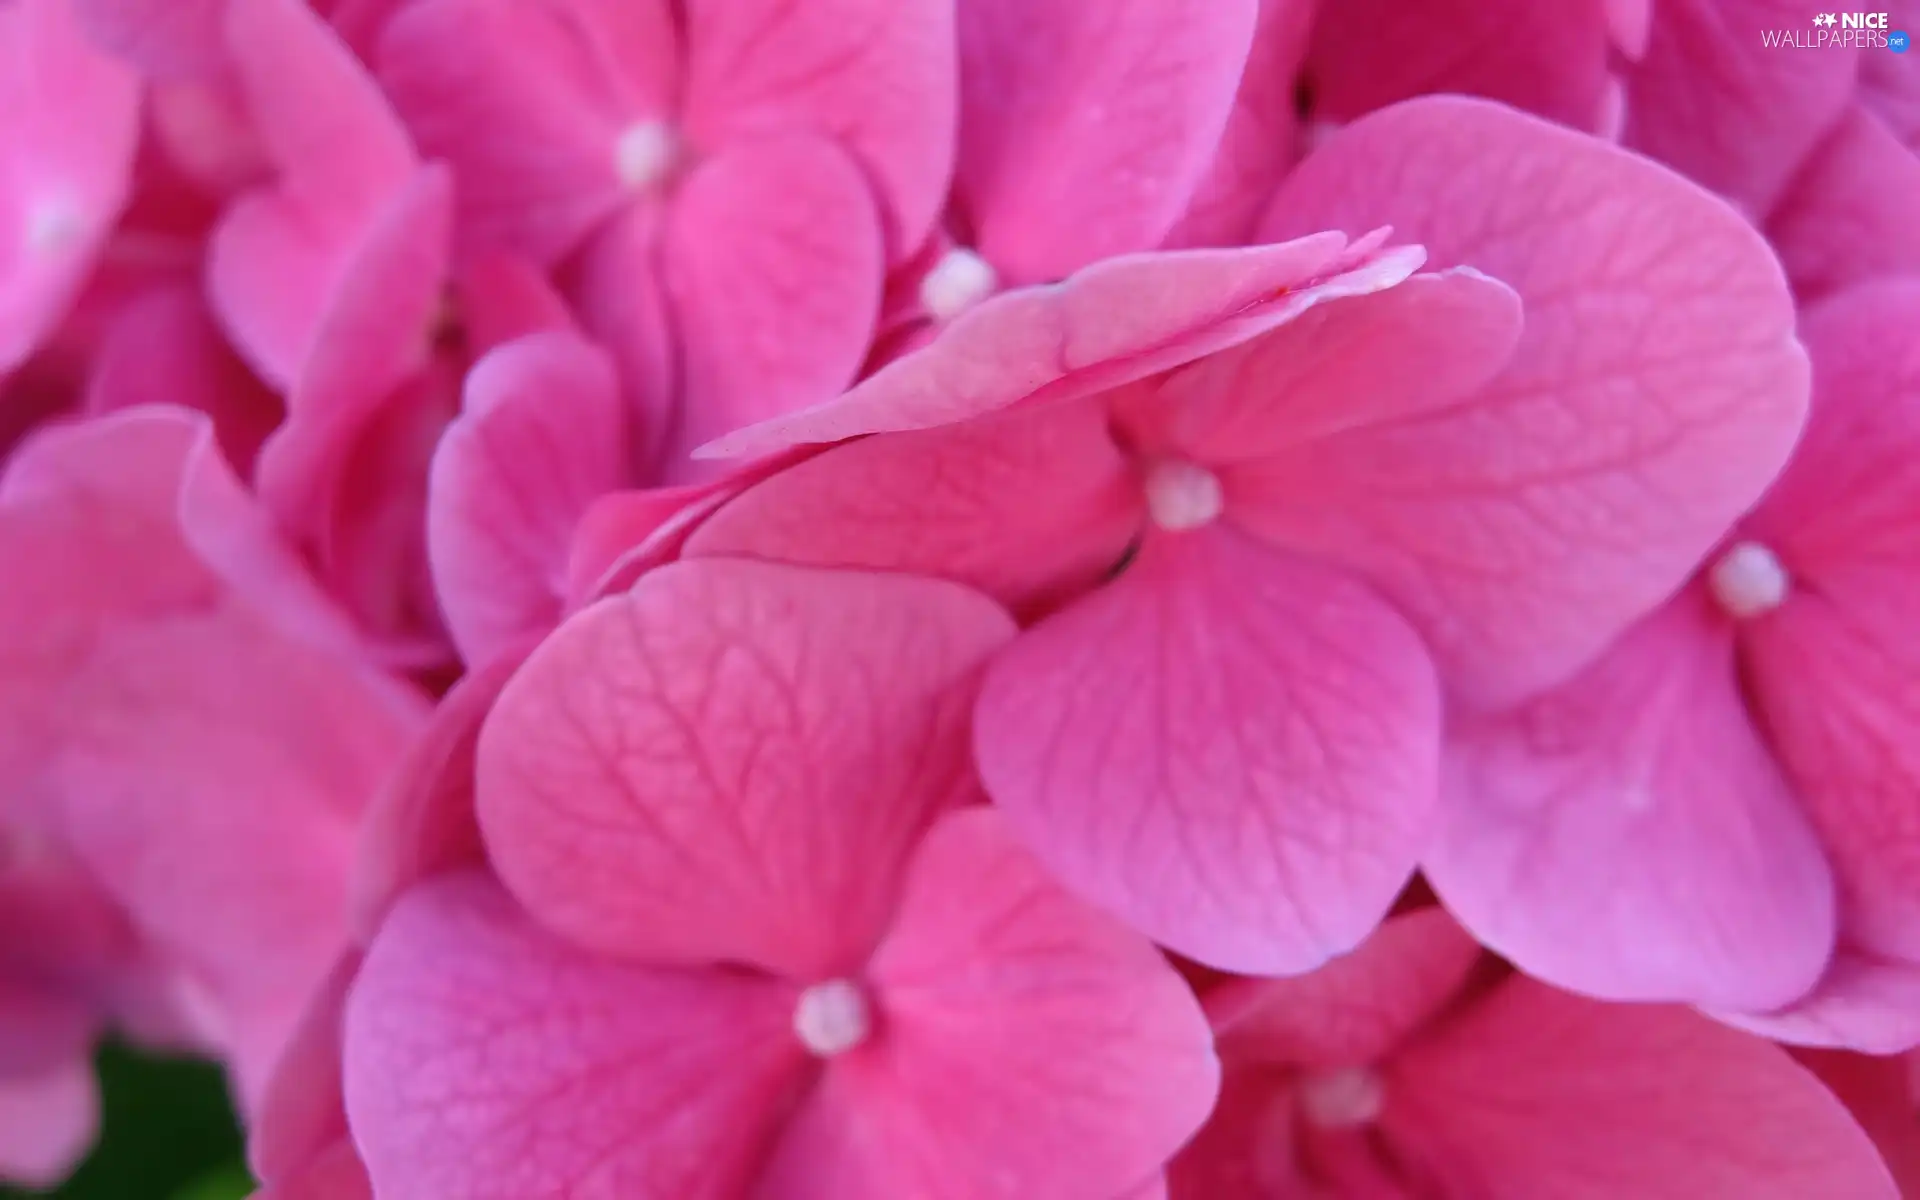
{"x": 960, "y": 280}
{"x": 1347, "y": 1098}
{"x": 1748, "y": 581}
{"x": 832, "y": 1017}
{"x": 1183, "y": 495}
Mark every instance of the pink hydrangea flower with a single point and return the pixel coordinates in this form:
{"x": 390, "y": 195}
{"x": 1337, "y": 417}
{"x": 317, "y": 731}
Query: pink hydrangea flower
{"x": 209, "y": 771}
{"x": 749, "y": 932}
{"x": 1672, "y": 823}
{"x": 1369, "y": 460}
{"x": 1416, "y": 1067}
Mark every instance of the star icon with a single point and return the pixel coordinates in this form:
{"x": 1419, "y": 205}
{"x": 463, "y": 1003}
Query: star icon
{"x": 1826, "y": 19}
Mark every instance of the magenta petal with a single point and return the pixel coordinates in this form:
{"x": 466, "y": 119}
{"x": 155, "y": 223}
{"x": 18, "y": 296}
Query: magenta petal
{"x": 1630, "y": 836}
{"x": 72, "y": 124}
{"x": 542, "y": 433}
{"x": 772, "y": 263}
{"x": 507, "y": 94}
{"x": 1656, "y": 391}
{"x": 621, "y": 298}
{"x": 878, "y": 76}
{"x": 165, "y": 39}
{"x": 1025, "y": 505}
{"x": 1085, "y": 129}
{"x": 730, "y": 762}
{"x": 301, "y": 1113}
{"x": 1847, "y": 216}
{"x": 1257, "y": 810}
{"x": 1116, "y": 321}
{"x": 278, "y": 255}
{"x": 1552, "y": 1095}
{"x": 486, "y": 1059}
{"x": 1864, "y": 1003}
{"x": 1030, "y": 1046}
{"x": 48, "y": 1119}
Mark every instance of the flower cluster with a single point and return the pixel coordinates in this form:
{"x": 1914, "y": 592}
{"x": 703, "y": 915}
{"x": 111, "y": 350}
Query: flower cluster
{"x": 966, "y": 598}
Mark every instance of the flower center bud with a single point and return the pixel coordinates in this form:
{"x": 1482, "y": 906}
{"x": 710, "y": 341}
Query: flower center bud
{"x": 1182, "y": 495}
{"x": 1748, "y": 581}
{"x": 960, "y": 280}
{"x": 1348, "y": 1098}
{"x": 832, "y": 1017}
{"x": 645, "y": 154}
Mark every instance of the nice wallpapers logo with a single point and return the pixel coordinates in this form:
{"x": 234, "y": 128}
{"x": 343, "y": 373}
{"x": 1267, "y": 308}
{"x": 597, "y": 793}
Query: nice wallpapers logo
{"x": 1838, "y": 30}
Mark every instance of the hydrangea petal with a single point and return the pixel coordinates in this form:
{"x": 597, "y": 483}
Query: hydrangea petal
{"x": 1657, "y": 390}
{"x": 1029, "y": 1043}
{"x": 1846, "y": 215}
{"x": 165, "y": 39}
{"x": 1864, "y": 1002}
{"x": 47, "y": 1121}
{"x": 1086, "y": 129}
{"x": 487, "y": 1059}
{"x": 731, "y": 761}
{"x": 1255, "y": 810}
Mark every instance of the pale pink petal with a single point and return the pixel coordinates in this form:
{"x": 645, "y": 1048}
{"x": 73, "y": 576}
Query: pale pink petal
{"x": 1847, "y": 216}
{"x": 486, "y": 1059}
{"x": 1085, "y": 130}
{"x": 541, "y": 434}
{"x": 47, "y": 1122}
{"x": 1710, "y": 98}
{"x": 1262, "y": 136}
{"x": 421, "y": 820}
{"x": 772, "y": 266}
{"x": 1629, "y": 834}
{"x": 1657, "y": 390}
{"x": 731, "y": 761}
{"x": 512, "y": 97}
{"x": 1548, "y": 60}
{"x": 1831, "y": 669}
{"x": 1356, "y": 1008}
{"x": 1863, "y": 1003}
{"x": 878, "y": 76}
{"x": 1029, "y": 1045}
{"x": 1534, "y": 1093}
{"x": 279, "y": 255}
{"x": 165, "y": 349}
{"x": 72, "y": 118}
{"x": 1114, "y": 322}
{"x": 1415, "y": 348}
{"x": 1024, "y": 505}
{"x": 1233, "y": 749}
{"x": 301, "y": 1114}
{"x": 165, "y": 39}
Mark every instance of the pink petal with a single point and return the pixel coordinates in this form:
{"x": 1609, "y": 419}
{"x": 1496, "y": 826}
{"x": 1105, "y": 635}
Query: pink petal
{"x": 1086, "y": 129}
{"x": 527, "y": 115}
{"x": 1536, "y": 1093}
{"x": 876, "y": 75}
{"x": 1260, "y": 407}
{"x": 47, "y": 1122}
{"x": 1256, "y": 811}
{"x": 730, "y": 762}
{"x": 336, "y": 1175}
{"x": 166, "y": 349}
{"x": 1657, "y": 390}
{"x": 72, "y": 122}
{"x": 541, "y": 435}
{"x": 1846, "y": 216}
{"x": 1026, "y": 505}
{"x": 503, "y": 297}
{"x": 1879, "y": 1092}
{"x": 1261, "y": 140}
{"x": 623, "y": 535}
{"x": 1629, "y": 835}
{"x": 1716, "y": 103}
{"x": 302, "y": 1114}
{"x": 166, "y": 39}
{"x": 1030, "y": 1046}
{"x": 485, "y": 1059}
{"x": 1831, "y": 669}
{"x": 1112, "y": 323}
{"x": 1355, "y": 1009}
{"x": 1864, "y": 1003}
{"x": 280, "y": 255}
{"x": 1368, "y": 54}
{"x": 617, "y": 289}
{"x": 772, "y": 264}
{"x": 421, "y": 821}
